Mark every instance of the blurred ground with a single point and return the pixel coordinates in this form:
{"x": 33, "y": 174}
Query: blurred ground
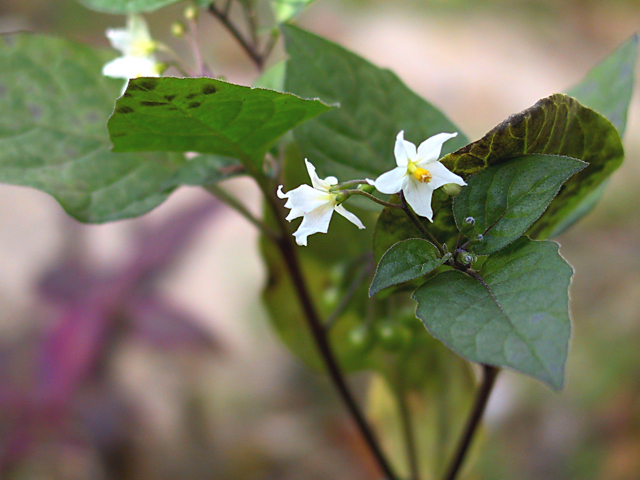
{"x": 254, "y": 409}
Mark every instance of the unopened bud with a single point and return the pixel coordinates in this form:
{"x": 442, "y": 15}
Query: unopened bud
{"x": 467, "y": 258}
{"x": 178, "y": 29}
{"x": 452, "y": 189}
{"x": 365, "y": 187}
{"x": 191, "y": 13}
{"x": 470, "y": 221}
{"x": 342, "y": 196}
{"x": 478, "y": 239}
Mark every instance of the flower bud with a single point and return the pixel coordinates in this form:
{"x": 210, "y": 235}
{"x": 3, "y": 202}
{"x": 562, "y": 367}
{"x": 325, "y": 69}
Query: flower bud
{"x": 191, "y": 13}
{"x": 452, "y": 189}
{"x": 467, "y": 258}
{"x": 178, "y": 29}
{"x": 364, "y": 187}
{"x": 342, "y": 196}
{"x": 470, "y": 221}
{"x": 478, "y": 239}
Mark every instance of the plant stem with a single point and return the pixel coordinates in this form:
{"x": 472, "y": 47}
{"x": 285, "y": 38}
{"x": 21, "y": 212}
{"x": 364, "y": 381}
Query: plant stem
{"x": 488, "y": 380}
{"x": 409, "y": 435}
{"x": 351, "y": 291}
{"x": 290, "y": 257}
{"x": 372, "y": 198}
{"x": 250, "y": 48}
{"x": 414, "y": 218}
{"x": 233, "y": 202}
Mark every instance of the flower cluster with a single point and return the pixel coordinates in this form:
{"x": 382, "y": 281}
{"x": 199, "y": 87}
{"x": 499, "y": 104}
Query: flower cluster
{"x": 417, "y": 175}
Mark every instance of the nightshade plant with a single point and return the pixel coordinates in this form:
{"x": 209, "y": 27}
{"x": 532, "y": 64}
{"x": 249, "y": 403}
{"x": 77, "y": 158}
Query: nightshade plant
{"x": 472, "y": 260}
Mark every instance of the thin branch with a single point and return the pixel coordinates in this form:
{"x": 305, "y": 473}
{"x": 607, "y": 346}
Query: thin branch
{"x": 250, "y": 49}
{"x": 416, "y": 221}
{"x": 488, "y": 381}
{"x": 290, "y": 257}
{"x": 408, "y": 433}
{"x": 233, "y": 202}
{"x": 351, "y": 291}
{"x": 374, "y": 199}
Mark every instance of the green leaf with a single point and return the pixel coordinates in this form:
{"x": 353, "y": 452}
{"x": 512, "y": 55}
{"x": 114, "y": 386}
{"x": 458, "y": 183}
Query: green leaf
{"x": 285, "y": 10}
{"x": 54, "y": 105}
{"x": 357, "y": 139}
{"x": 394, "y": 225}
{"x": 405, "y": 261}
{"x": 207, "y": 116}
{"x": 126, "y": 6}
{"x": 557, "y": 125}
{"x": 520, "y": 321}
{"x": 608, "y": 87}
{"x": 505, "y": 199}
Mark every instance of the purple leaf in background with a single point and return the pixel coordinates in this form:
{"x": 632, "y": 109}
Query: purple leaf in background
{"x": 162, "y": 324}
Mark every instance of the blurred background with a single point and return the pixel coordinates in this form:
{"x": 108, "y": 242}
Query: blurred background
{"x": 127, "y": 352}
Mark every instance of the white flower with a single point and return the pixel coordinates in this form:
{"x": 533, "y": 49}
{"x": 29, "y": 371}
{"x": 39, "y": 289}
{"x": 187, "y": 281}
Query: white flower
{"x": 418, "y": 172}
{"x": 315, "y": 204}
{"x": 137, "y": 49}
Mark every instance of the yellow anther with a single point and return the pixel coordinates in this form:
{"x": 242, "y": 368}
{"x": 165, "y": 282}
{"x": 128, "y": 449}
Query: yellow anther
{"x": 422, "y": 175}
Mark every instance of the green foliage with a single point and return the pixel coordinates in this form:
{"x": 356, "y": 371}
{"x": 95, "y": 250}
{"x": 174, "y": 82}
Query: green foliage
{"x": 54, "y": 104}
{"x": 126, "y": 6}
{"x": 519, "y": 319}
{"x": 355, "y": 140}
{"x": 557, "y": 125}
{"x": 438, "y": 405}
{"x": 205, "y": 115}
{"x": 608, "y": 87}
{"x": 394, "y": 225}
{"x": 505, "y": 199}
{"x": 405, "y": 261}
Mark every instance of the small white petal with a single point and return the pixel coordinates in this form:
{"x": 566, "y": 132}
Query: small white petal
{"x": 130, "y": 67}
{"x": 391, "y": 181}
{"x": 307, "y": 199}
{"x": 403, "y": 150}
{"x": 429, "y": 150}
{"x": 441, "y": 176}
{"x": 280, "y": 193}
{"x": 349, "y": 216}
{"x": 418, "y": 195}
{"x": 316, "y": 181}
{"x": 316, "y": 221}
{"x": 119, "y": 38}
{"x": 370, "y": 182}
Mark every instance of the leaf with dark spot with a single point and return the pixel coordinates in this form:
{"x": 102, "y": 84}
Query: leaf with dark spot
{"x": 557, "y": 125}
{"x": 209, "y": 89}
{"x": 237, "y": 122}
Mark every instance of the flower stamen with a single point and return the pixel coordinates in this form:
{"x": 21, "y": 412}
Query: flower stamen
{"x": 422, "y": 175}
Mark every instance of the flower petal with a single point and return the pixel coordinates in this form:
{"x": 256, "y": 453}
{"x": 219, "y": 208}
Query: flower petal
{"x": 403, "y": 150}
{"x": 316, "y": 221}
{"x": 349, "y": 216}
{"x": 429, "y": 150}
{"x": 441, "y": 175}
{"x": 305, "y": 199}
{"x": 418, "y": 195}
{"x": 131, "y": 67}
{"x": 391, "y": 181}
{"x": 119, "y": 38}
{"x": 316, "y": 181}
